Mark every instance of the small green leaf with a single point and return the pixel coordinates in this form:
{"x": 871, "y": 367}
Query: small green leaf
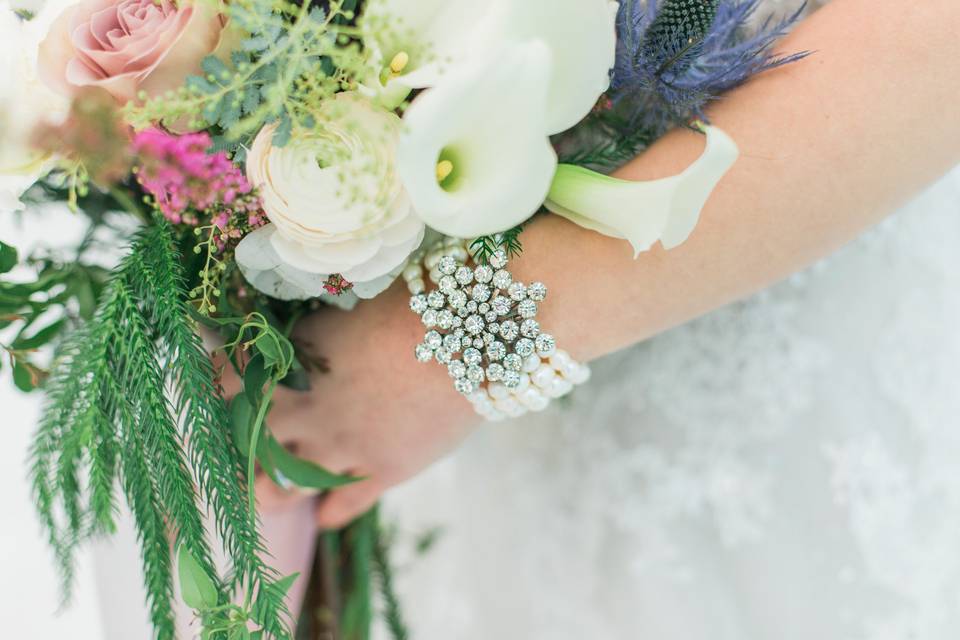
{"x": 8, "y": 257}
{"x": 212, "y": 65}
{"x": 199, "y": 591}
{"x": 276, "y": 591}
{"x": 303, "y": 473}
{"x": 269, "y": 348}
{"x": 254, "y": 377}
{"x": 40, "y": 338}
{"x": 23, "y": 378}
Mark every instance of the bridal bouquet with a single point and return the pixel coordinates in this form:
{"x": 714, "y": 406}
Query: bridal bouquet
{"x": 258, "y": 159}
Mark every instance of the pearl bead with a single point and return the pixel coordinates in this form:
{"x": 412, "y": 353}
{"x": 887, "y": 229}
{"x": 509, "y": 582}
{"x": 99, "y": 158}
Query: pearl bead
{"x": 417, "y": 286}
{"x": 492, "y": 414}
{"x": 509, "y": 406}
{"x": 498, "y": 391}
{"x": 559, "y": 387}
{"x": 579, "y": 374}
{"x": 531, "y": 363}
{"x": 433, "y": 259}
{"x": 435, "y": 275}
{"x": 543, "y": 376}
{"x": 412, "y": 272}
{"x": 523, "y": 385}
{"x": 534, "y": 400}
{"x": 559, "y": 359}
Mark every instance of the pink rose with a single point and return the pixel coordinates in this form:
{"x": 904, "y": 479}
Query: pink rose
{"x": 126, "y": 46}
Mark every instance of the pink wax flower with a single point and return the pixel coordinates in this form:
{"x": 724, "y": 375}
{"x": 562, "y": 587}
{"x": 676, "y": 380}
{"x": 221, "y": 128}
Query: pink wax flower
{"x": 185, "y": 180}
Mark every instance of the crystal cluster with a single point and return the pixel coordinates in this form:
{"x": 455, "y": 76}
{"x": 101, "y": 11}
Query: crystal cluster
{"x": 481, "y": 323}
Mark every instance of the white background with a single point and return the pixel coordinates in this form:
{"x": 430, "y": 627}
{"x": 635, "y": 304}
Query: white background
{"x": 29, "y": 585}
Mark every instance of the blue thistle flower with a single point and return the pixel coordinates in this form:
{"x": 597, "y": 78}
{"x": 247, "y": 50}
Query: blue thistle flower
{"x": 675, "y": 56}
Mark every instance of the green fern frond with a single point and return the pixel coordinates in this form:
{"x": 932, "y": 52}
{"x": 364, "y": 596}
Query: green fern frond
{"x": 132, "y": 396}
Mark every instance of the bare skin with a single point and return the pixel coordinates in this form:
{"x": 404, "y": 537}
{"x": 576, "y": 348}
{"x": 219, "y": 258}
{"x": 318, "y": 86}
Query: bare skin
{"x": 829, "y": 146}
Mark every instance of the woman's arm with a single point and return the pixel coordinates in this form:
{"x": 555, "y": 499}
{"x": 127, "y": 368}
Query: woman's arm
{"x": 829, "y": 145}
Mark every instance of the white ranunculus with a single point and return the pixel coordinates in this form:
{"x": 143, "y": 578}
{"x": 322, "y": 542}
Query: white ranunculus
{"x": 334, "y": 200}
{"x": 474, "y": 156}
{"x": 25, "y": 103}
{"x": 665, "y": 210}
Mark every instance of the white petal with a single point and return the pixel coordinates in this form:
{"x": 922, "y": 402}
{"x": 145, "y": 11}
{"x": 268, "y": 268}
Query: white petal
{"x": 490, "y": 120}
{"x": 255, "y": 251}
{"x": 582, "y": 37}
{"x": 264, "y": 270}
{"x": 643, "y": 212}
{"x": 439, "y": 36}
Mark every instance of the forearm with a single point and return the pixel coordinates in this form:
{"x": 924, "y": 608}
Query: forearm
{"x": 828, "y": 145}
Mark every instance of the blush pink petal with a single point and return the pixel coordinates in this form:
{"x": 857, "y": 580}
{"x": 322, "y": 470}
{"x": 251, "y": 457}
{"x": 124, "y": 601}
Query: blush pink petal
{"x": 199, "y": 38}
{"x": 55, "y": 53}
{"x": 128, "y": 46}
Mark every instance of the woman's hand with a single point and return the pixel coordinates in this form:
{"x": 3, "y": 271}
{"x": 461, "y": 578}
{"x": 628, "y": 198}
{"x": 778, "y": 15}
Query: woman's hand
{"x": 376, "y": 413}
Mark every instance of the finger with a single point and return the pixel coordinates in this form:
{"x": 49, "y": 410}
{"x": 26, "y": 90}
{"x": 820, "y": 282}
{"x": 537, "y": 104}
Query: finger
{"x": 271, "y": 497}
{"x": 339, "y": 507}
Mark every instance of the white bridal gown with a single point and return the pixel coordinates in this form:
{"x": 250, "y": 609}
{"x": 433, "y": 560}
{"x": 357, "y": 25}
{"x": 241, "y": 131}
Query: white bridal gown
{"x": 786, "y": 468}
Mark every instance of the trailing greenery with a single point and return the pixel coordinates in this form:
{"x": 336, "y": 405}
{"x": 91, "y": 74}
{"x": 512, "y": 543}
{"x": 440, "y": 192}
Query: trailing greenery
{"x": 392, "y": 611}
{"x": 132, "y": 397}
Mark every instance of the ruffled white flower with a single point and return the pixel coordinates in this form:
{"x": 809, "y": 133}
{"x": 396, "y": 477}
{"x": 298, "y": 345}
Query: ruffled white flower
{"x": 335, "y": 203}
{"x": 474, "y": 156}
{"x": 25, "y": 103}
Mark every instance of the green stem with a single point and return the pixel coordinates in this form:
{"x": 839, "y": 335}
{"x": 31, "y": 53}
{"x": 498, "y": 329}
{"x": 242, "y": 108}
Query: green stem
{"x": 128, "y": 203}
{"x": 251, "y": 468}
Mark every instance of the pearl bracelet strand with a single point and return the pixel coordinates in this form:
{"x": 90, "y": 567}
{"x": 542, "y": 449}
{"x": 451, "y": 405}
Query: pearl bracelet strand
{"x": 480, "y": 324}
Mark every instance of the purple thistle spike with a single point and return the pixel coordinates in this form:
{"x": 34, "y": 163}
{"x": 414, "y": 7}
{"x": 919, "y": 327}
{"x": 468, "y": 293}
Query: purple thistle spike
{"x": 656, "y": 89}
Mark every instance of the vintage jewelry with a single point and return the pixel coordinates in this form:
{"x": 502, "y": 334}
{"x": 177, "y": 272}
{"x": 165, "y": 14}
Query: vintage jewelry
{"x": 481, "y": 324}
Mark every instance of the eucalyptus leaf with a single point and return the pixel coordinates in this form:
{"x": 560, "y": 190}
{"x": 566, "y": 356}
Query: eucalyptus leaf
{"x": 198, "y": 589}
{"x": 8, "y": 257}
{"x": 41, "y": 337}
{"x": 254, "y": 377}
{"x": 23, "y": 378}
{"x": 304, "y": 473}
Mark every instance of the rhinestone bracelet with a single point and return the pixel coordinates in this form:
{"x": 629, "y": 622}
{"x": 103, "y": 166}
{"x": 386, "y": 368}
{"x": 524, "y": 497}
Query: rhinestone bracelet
{"x": 481, "y": 324}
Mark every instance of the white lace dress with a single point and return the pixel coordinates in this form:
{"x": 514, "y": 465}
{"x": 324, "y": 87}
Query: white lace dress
{"x": 785, "y": 468}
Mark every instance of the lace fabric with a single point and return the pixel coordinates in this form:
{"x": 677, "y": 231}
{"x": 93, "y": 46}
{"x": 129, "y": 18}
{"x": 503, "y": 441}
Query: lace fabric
{"x": 785, "y": 467}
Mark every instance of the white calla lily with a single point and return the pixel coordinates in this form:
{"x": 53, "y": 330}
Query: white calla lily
{"x": 415, "y": 42}
{"x": 474, "y": 157}
{"x": 419, "y": 43}
{"x": 582, "y": 38}
{"x": 643, "y": 212}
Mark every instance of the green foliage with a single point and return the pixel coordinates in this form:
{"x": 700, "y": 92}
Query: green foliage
{"x": 485, "y": 246}
{"x": 357, "y": 549}
{"x": 35, "y": 313}
{"x": 605, "y": 140}
{"x": 392, "y": 612}
{"x": 132, "y": 396}
{"x": 293, "y": 58}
